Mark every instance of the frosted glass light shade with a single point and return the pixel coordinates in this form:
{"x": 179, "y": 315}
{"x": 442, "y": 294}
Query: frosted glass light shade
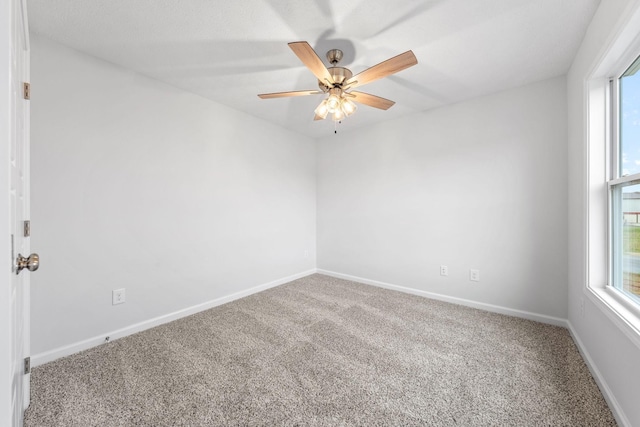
{"x": 322, "y": 110}
{"x": 348, "y": 107}
{"x": 333, "y": 103}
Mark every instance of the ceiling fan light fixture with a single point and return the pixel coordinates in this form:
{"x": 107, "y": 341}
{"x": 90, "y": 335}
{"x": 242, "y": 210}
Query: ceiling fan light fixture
{"x": 322, "y": 110}
{"x": 348, "y": 107}
{"x": 333, "y": 101}
{"x": 338, "y": 115}
{"x": 333, "y": 104}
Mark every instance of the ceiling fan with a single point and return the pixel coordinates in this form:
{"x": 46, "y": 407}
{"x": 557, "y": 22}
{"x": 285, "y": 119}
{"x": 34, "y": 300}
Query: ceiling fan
{"x": 338, "y": 82}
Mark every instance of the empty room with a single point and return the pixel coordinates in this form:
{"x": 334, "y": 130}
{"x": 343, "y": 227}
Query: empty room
{"x": 320, "y": 213}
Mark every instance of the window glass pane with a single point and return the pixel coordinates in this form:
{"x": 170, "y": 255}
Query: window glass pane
{"x": 630, "y": 120}
{"x": 626, "y": 238}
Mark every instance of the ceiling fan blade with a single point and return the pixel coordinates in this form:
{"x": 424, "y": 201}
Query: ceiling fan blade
{"x": 310, "y": 58}
{"x": 383, "y": 69}
{"x": 287, "y": 94}
{"x": 372, "y": 100}
{"x": 317, "y": 117}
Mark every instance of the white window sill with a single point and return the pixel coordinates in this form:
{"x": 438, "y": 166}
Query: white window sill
{"x": 624, "y": 313}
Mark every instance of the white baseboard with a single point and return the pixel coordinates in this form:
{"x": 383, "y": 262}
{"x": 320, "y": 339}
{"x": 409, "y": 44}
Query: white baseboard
{"x": 619, "y": 415}
{"x": 543, "y": 318}
{"x": 48, "y": 356}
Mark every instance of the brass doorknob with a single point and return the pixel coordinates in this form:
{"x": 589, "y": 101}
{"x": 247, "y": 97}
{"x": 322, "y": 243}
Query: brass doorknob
{"x": 31, "y": 263}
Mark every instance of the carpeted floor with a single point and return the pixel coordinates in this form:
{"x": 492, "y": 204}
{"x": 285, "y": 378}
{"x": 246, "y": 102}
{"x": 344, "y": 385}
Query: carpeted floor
{"x": 321, "y": 351}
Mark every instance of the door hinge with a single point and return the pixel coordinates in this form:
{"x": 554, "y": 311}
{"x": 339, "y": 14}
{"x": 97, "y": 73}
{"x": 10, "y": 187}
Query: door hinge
{"x": 27, "y": 228}
{"x": 27, "y": 365}
{"x": 26, "y": 90}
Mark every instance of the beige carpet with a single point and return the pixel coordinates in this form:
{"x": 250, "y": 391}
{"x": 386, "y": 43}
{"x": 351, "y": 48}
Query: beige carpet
{"x": 321, "y": 351}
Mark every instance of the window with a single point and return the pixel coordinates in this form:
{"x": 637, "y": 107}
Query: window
{"x": 624, "y": 185}
{"x": 612, "y": 181}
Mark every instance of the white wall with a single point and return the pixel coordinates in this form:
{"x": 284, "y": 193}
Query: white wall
{"x": 481, "y": 184}
{"x": 611, "y": 352}
{"x": 138, "y": 185}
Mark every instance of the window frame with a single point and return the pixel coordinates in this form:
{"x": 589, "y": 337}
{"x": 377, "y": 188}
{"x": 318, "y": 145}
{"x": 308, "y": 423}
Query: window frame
{"x": 602, "y": 161}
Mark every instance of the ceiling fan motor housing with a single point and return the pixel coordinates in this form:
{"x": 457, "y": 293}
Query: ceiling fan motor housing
{"x": 339, "y": 75}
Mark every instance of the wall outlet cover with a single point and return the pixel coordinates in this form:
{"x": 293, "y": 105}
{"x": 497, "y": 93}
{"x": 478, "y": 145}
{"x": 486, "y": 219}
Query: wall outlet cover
{"x": 474, "y": 275}
{"x": 118, "y": 296}
{"x": 444, "y": 270}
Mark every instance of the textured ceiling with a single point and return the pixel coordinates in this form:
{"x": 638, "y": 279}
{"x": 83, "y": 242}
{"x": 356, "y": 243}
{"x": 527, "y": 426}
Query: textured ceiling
{"x": 229, "y": 51}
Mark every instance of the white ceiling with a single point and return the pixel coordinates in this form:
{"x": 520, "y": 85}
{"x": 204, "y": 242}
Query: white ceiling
{"x": 229, "y": 51}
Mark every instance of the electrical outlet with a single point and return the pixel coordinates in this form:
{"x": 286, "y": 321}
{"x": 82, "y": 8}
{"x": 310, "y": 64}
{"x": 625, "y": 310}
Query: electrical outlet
{"x": 474, "y": 275}
{"x": 117, "y": 296}
{"x": 444, "y": 270}
{"x": 306, "y": 254}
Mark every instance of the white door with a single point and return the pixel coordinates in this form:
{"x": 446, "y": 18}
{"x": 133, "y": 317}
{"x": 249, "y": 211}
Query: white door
{"x": 19, "y": 211}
